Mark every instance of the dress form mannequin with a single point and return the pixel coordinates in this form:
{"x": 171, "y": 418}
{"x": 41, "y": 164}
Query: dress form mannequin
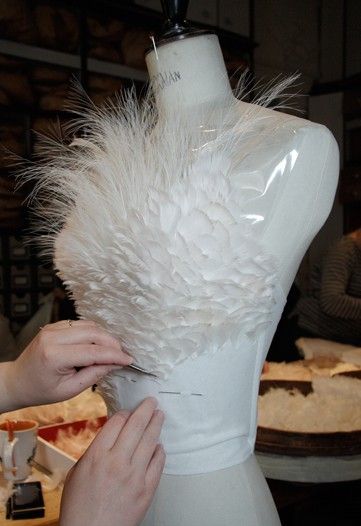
{"x": 200, "y": 79}
{"x": 196, "y": 75}
{"x": 285, "y": 176}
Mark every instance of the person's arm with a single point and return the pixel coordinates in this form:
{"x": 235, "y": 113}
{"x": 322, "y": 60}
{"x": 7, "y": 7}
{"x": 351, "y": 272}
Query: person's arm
{"x": 336, "y": 272}
{"x": 60, "y": 362}
{"x": 115, "y": 480}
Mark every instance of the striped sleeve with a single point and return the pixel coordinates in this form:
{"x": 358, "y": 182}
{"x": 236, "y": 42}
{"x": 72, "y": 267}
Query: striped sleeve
{"x": 337, "y": 269}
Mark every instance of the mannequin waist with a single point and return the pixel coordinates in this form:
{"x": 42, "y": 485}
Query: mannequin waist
{"x": 210, "y": 406}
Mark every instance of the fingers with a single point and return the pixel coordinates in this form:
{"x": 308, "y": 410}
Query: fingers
{"x": 82, "y": 355}
{"x": 148, "y": 443}
{"x": 109, "y": 433}
{"x": 132, "y": 433}
{"x": 70, "y": 323}
{"x": 155, "y": 468}
{"x": 87, "y": 343}
{"x": 79, "y": 332}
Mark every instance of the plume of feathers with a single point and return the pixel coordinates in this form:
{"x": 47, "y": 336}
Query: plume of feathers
{"x": 145, "y": 225}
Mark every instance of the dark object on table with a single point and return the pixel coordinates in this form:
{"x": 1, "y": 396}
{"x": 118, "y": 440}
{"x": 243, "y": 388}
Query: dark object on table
{"x": 303, "y": 386}
{"x": 26, "y": 502}
{"x": 283, "y": 347}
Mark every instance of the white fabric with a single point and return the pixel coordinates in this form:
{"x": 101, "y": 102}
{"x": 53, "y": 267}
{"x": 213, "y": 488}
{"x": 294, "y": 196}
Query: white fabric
{"x": 210, "y": 403}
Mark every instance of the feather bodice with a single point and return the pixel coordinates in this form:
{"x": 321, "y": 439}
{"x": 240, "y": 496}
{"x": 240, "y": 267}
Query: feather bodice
{"x": 181, "y": 279}
{"x": 155, "y": 243}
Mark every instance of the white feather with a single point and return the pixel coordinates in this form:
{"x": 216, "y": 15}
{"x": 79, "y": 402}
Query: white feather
{"x": 145, "y": 223}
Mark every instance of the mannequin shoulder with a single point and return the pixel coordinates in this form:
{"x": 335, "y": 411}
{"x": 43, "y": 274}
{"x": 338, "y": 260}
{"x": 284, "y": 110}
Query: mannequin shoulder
{"x": 316, "y": 147}
{"x": 276, "y": 126}
{"x": 273, "y": 136}
{"x": 311, "y": 133}
{"x": 316, "y": 157}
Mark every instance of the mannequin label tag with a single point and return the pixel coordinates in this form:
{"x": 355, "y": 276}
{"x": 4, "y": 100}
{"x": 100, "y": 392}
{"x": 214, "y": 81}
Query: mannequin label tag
{"x": 164, "y": 79}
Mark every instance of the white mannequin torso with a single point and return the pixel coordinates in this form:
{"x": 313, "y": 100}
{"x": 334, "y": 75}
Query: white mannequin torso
{"x": 299, "y": 160}
{"x": 197, "y": 78}
{"x": 267, "y": 197}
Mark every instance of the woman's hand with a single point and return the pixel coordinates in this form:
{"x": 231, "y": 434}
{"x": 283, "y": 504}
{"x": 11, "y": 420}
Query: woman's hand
{"x": 114, "y": 482}
{"x": 61, "y": 361}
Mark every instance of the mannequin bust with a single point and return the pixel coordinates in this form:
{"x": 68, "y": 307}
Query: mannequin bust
{"x": 308, "y": 166}
{"x": 200, "y": 79}
{"x": 298, "y": 164}
{"x": 236, "y": 224}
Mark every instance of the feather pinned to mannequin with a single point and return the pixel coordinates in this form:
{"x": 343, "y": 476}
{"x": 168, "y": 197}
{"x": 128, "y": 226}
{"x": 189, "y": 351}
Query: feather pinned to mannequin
{"x": 146, "y": 225}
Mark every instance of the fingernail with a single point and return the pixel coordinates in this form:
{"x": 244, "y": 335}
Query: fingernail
{"x": 129, "y": 359}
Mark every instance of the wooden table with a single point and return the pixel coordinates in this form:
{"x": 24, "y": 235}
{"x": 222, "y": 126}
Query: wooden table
{"x": 312, "y": 469}
{"x": 52, "y": 506}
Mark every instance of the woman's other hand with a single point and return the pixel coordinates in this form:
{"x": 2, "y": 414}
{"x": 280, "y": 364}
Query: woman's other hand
{"x": 113, "y": 484}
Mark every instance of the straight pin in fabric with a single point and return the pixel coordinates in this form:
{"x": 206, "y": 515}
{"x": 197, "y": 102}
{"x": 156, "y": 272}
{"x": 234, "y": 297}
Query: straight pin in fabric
{"x": 179, "y": 393}
{"x": 139, "y": 369}
{"x": 154, "y": 46}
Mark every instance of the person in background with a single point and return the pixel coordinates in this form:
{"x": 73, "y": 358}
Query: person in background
{"x": 332, "y": 310}
{"x": 115, "y": 480}
{"x": 282, "y": 348}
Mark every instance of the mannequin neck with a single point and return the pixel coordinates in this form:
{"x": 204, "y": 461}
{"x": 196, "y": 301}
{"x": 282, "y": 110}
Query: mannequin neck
{"x": 188, "y": 74}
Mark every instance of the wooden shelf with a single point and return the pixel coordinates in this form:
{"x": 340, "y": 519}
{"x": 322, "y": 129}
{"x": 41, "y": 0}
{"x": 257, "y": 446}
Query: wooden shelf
{"x": 153, "y": 20}
{"x": 72, "y": 61}
{"x": 347, "y": 84}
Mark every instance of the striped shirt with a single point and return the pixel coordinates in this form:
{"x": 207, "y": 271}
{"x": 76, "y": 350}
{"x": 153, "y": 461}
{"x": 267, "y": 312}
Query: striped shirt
{"x": 333, "y": 308}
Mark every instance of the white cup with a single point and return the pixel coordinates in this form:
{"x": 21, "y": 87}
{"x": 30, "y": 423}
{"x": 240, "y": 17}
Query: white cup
{"x": 17, "y": 447}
